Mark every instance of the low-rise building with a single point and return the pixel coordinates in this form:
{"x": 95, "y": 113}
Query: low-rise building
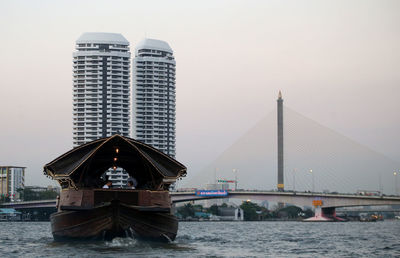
{"x": 230, "y": 213}
{"x": 9, "y": 215}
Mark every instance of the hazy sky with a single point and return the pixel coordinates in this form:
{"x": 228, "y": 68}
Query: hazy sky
{"x": 337, "y": 62}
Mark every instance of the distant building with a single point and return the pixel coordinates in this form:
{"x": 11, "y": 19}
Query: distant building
{"x": 101, "y": 90}
{"x": 153, "y": 96}
{"x": 230, "y": 213}
{"x": 216, "y": 186}
{"x": 265, "y": 204}
{"x": 9, "y": 215}
{"x": 12, "y": 178}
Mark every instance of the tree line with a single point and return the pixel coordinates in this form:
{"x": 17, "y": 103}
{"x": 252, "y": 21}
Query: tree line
{"x": 252, "y": 211}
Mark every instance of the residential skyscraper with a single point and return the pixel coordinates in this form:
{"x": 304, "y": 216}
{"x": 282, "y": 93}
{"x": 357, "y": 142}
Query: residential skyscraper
{"x": 154, "y": 95}
{"x": 101, "y": 88}
{"x": 101, "y": 94}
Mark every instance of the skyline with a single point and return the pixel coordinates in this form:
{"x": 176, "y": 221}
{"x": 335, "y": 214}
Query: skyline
{"x": 335, "y": 62}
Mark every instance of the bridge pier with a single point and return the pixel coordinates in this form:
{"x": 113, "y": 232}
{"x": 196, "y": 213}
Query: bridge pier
{"x": 319, "y": 216}
{"x": 327, "y": 214}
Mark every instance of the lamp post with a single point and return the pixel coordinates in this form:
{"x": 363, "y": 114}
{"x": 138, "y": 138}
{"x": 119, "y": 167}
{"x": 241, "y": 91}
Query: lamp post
{"x": 312, "y": 174}
{"x": 395, "y": 182}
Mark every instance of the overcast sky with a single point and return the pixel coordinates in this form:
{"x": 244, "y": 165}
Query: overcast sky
{"x": 336, "y": 62}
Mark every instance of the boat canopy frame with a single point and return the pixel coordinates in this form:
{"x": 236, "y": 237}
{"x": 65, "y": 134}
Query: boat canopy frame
{"x": 83, "y": 166}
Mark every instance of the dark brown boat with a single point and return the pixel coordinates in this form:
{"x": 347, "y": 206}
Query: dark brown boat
{"x": 86, "y": 211}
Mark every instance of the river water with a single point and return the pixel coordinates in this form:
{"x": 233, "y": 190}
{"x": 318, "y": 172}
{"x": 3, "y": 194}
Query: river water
{"x": 218, "y": 239}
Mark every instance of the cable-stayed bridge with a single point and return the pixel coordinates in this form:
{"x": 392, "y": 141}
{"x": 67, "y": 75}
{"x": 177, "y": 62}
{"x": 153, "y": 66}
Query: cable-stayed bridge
{"x": 316, "y": 158}
{"x": 290, "y": 151}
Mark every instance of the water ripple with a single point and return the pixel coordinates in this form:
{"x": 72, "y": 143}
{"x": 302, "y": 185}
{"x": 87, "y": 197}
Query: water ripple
{"x": 218, "y": 239}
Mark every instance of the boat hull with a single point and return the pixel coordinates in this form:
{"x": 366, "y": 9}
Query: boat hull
{"x": 114, "y": 220}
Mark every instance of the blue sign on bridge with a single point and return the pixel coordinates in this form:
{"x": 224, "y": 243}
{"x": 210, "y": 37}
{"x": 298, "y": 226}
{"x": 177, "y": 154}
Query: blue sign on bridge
{"x": 211, "y": 193}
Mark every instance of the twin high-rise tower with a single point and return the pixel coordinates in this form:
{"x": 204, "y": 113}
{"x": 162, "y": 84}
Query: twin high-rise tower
{"x": 103, "y": 103}
{"x": 154, "y": 95}
{"x": 101, "y": 87}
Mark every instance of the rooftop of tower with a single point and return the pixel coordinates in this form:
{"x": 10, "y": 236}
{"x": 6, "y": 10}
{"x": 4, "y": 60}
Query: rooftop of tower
{"x": 154, "y": 44}
{"x": 102, "y": 37}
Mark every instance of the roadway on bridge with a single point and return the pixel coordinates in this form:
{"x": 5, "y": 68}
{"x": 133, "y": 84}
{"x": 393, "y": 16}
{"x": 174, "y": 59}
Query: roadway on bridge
{"x": 296, "y": 198}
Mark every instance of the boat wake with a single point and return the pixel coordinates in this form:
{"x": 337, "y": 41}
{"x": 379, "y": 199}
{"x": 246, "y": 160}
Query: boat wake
{"x": 122, "y": 242}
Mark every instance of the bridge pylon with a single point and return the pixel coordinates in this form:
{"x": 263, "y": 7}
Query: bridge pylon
{"x": 280, "y": 142}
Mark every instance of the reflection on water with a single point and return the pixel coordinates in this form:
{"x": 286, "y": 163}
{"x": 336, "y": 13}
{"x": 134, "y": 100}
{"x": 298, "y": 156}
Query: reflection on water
{"x": 220, "y": 239}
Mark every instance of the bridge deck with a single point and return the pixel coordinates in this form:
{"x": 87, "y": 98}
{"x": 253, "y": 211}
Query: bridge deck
{"x": 295, "y": 198}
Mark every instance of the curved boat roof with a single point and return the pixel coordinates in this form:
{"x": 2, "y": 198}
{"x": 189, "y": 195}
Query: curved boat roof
{"x": 89, "y": 161}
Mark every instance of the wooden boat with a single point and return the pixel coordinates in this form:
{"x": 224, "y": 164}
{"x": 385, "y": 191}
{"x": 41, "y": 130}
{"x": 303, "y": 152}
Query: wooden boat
{"x": 87, "y": 211}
